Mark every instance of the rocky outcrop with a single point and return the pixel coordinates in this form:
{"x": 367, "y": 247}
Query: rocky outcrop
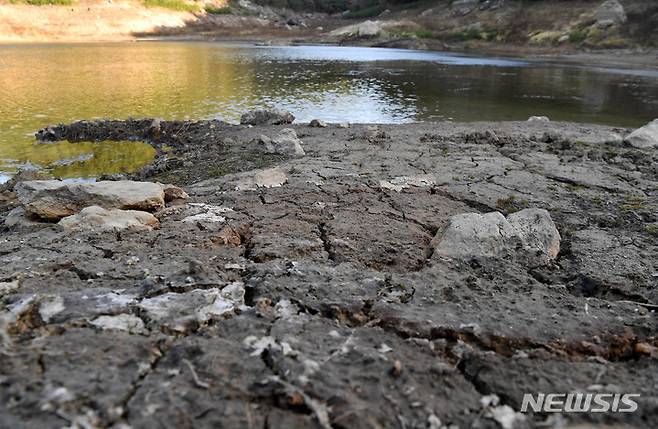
{"x": 53, "y": 199}
{"x": 267, "y": 117}
{"x": 528, "y": 235}
{"x": 645, "y": 137}
{"x": 96, "y": 218}
{"x": 288, "y": 280}
{"x": 363, "y": 29}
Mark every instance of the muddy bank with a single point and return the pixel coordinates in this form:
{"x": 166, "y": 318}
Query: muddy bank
{"x": 313, "y": 290}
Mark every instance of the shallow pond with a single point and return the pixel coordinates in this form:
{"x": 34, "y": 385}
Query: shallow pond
{"x": 45, "y": 84}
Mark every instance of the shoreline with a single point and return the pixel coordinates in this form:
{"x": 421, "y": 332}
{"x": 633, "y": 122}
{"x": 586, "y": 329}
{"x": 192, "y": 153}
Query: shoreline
{"x": 625, "y": 59}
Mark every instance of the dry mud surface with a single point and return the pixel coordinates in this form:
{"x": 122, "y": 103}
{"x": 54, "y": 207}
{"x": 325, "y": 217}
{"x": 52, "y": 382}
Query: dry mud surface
{"x": 321, "y": 302}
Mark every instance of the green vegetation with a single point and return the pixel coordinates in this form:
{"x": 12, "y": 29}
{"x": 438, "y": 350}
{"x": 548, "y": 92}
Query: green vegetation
{"x": 415, "y": 34}
{"x": 633, "y": 203}
{"x": 511, "y": 204}
{"x": 652, "y": 229}
{"x": 468, "y": 34}
{"x": 180, "y": 5}
{"x": 578, "y": 35}
{"x": 213, "y": 10}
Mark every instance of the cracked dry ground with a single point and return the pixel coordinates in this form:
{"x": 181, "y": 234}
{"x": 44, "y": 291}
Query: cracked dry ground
{"x": 349, "y": 320}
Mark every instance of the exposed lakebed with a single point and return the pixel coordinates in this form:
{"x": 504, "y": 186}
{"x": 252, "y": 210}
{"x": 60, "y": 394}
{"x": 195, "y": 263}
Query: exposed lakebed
{"x": 60, "y": 83}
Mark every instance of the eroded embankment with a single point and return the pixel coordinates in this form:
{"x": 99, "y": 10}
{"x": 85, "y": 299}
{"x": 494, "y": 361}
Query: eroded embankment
{"x": 314, "y": 290}
{"x": 86, "y": 21}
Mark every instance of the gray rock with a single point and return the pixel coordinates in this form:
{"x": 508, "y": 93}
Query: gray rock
{"x": 364, "y": 29}
{"x": 284, "y": 143}
{"x": 96, "y": 218}
{"x": 318, "y": 123}
{"x": 611, "y": 12}
{"x": 53, "y": 199}
{"x": 464, "y": 7}
{"x": 528, "y": 235}
{"x": 267, "y": 117}
{"x": 269, "y": 178}
{"x": 645, "y": 137}
{"x": 18, "y": 218}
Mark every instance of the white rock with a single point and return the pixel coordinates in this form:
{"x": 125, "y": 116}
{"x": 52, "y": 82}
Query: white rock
{"x": 317, "y": 123}
{"x": 397, "y": 184}
{"x": 50, "y": 306}
{"x": 365, "y": 29}
{"x": 284, "y": 143}
{"x": 506, "y": 417}
{"x": 177, "y": 311}
{"x": 96, "y": 218}
{"x": 529, "y": 236}
{"x": 121, "y": 322}
{"x": 610, "y": 12}
{"x": 8, "y": 287}
{"x": 644, "y": 137}
{"x": 539, "y": 119}
{"x": 208, "y": 213}
{"x": 54, "y": 199}
{"x": 268, "y": 178}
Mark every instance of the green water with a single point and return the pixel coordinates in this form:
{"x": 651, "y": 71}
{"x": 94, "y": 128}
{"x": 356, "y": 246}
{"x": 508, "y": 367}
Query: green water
{"x": 46, "y": 84}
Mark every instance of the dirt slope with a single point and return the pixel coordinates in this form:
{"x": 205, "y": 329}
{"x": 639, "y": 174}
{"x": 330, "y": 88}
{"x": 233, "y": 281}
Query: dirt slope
{"x": 87, "y": 20}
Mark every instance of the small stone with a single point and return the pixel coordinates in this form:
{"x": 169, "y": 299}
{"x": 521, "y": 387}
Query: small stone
{"x": 267, "y": 117}
{"x": 539, "y": 119}
{"x": 228, "y": 236}
{"x": 96, "y": 218}
{"x": 646, "y": 349}
{"x": 317, "y": 123}
{"x": 343, "y": 125}
{"x": 396, "y": 370}
{"x": 644, "y": 137}
{"x": 172, "y": 193}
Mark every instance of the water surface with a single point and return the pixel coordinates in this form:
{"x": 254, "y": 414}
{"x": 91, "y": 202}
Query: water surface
{"x": 45, "y": 84}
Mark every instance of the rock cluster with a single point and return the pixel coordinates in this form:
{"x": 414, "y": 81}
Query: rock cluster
{"x": 104, "y": 205}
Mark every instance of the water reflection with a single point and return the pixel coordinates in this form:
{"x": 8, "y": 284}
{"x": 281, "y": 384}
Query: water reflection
{"x": 40, "y": 85}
